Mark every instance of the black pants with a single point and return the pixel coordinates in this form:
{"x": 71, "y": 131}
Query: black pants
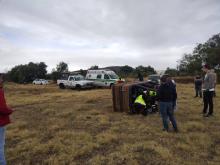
{"x": 208, "y": 102}
{"x": 198, "y": 92}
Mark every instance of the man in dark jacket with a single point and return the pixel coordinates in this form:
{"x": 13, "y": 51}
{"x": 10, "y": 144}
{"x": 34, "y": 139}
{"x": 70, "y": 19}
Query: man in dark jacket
{"x": 140, "y": 77}
{"x": 166, "y": 97}
{"x": 5, "y": 111}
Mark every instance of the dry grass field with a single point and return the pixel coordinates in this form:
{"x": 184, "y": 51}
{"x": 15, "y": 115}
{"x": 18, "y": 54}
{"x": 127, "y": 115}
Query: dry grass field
{"x": 67, "y": 127}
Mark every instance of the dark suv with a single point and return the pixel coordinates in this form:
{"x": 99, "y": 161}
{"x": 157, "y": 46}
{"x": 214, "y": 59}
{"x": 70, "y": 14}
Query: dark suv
{"x": 154, "y": 78}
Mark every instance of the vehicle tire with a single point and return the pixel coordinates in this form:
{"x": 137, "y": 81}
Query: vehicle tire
{"x": 78, "y": 87}
{"x": 61, "y": 86}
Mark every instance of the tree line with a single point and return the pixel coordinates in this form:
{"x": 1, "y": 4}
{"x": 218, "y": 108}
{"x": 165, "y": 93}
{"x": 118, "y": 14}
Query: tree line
{"x": 31, "y": 71}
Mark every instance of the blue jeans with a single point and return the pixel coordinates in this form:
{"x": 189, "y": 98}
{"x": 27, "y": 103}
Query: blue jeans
{"x": 2, "y": 145}
{"x": 167, "y": 113}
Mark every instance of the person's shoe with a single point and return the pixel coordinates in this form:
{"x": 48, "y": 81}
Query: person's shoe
{"x": 195, "y": 96}
{"x": 176, "y": 130}
{"x": 211, "y": 115}
{"x": 165, "y": 130}
{"x": 206, "y": 115}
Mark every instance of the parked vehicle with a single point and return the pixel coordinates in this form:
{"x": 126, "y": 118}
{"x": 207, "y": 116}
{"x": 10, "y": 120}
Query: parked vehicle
{"x": 154, "y": 78}
{"x": 75, "y": 82}
{"x": 40, "y": 82}
{"x": 103, "y": 78}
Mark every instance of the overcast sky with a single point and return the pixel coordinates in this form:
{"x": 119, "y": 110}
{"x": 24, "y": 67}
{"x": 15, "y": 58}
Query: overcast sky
{"x": 104, "y": 32}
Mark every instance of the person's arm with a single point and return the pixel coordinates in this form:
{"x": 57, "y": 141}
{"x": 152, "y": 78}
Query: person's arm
{"x": 4, "y": 109}
{"x": 158, "y": 93}
{"x": 211, "y": 82}
{"x": 175, "y": 94}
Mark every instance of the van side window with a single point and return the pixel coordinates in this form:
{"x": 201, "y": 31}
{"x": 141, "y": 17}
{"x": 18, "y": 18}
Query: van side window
{"x": 106, "y": 76}
{"x": 77, "y": 78}
{"x": 71, "y": 79}
{"x": 99, "y": 76}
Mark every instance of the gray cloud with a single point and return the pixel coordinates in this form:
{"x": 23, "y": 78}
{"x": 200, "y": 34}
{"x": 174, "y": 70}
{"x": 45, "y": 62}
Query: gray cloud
{"x": 88, "y": 32}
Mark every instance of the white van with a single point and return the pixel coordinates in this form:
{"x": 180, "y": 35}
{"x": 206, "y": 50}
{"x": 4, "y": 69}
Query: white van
{"x": 103, "y": 78}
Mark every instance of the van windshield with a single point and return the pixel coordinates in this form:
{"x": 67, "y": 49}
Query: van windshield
{"x": 113, "y": 76}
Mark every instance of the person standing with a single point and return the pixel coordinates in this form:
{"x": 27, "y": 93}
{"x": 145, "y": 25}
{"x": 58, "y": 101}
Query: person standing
{"x": 198, "y": 86}
{"x": 215, "y": 81}
{"x": 5, "y": 111}
{"x": 166, "y": 96}
{"x": 140, "y": 77}
{"x": 208, "y": 91}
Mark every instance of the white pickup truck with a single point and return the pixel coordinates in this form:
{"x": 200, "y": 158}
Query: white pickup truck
{"x": 75, "y": 82}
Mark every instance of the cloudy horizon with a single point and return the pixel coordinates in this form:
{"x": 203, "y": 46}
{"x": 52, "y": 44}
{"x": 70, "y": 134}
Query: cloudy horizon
{"x": 83, "y": 33}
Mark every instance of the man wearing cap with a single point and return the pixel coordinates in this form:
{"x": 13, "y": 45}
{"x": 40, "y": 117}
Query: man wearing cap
{"x": 208, "y": 91}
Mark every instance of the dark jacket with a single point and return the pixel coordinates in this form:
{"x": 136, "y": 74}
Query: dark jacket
{"x": 5, "y": 111}
{"x": 140, "y": 77}
{"x": 198, "y": 83}
{"x": 167, "y": 93}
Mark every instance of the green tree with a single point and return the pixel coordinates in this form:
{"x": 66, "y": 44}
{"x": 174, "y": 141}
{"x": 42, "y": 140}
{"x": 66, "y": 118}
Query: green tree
{"x": 28, "y": 72}
{"x": 126, "y": 70}
{"x": 62, "y": 67}
{"x": 42, "y": 70}
{"x": 55, "y": 75}
{"x": 172, "y": 72}
{"x": 145, "y": 71}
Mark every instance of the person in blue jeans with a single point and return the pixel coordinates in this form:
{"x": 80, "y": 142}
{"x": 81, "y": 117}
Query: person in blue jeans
{"x": 2, "y": 145}
{"x": 166, "y": 97}
{"x": 5, "y": 111}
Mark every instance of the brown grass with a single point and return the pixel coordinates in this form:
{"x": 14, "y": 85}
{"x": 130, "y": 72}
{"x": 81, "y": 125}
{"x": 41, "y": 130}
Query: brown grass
{"x": 62, "y": 127}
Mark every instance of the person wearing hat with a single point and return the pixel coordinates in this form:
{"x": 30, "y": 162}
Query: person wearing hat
{"x": 5, "y": 111}
{"x": 166, "y": 96}
{"x": 208, "y": 91}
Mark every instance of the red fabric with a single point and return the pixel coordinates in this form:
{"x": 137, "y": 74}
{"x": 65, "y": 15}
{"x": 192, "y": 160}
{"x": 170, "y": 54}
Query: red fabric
{"x": 5, "y": 111}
